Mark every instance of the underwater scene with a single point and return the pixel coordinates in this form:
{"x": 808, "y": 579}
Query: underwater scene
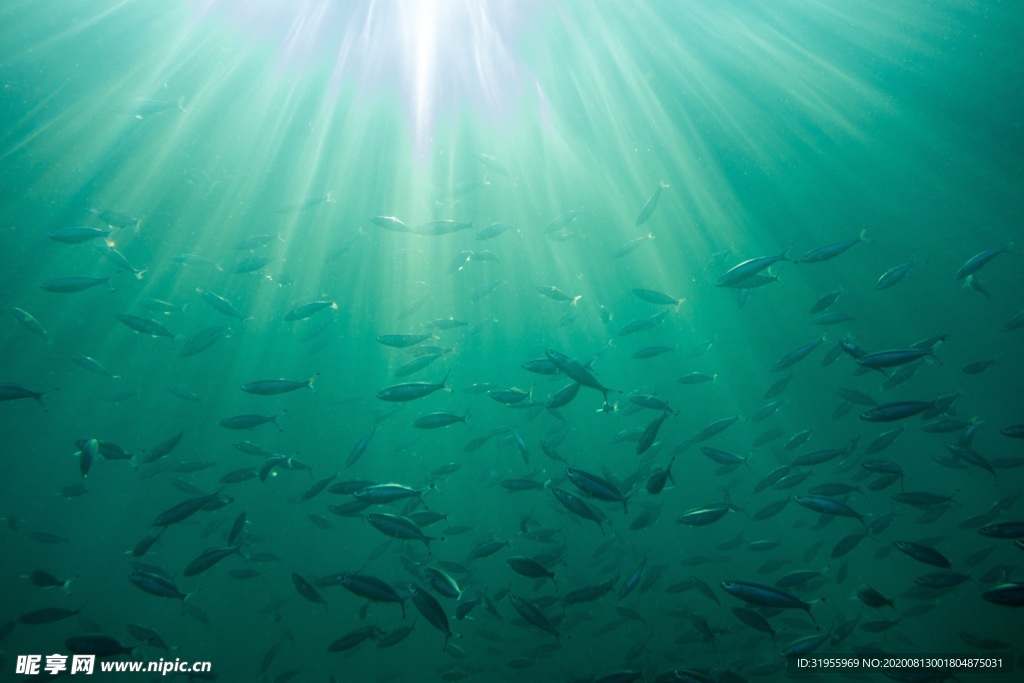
{"x": 453, "y": 340}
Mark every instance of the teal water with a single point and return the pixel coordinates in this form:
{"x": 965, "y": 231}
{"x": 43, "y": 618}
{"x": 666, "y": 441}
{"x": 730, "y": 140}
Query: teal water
{"x": 775, "y": 126}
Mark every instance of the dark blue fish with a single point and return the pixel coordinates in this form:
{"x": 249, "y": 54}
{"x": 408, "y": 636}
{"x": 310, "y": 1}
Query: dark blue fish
{"x": 410, "y": 391}
{"x": 923, "y": 553}
{"x": 830, "y": 251}
{"x": 897, "y": 410}
{"x": 431, "y": 610}
{"x": 580, "y": 373}
{"x": 796, "y": 355}
{"x": 533, "y": 615}
{"x": 976, "y": 262}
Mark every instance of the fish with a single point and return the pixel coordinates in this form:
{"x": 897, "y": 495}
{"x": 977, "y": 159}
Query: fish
{"x": 894, "y": 275}
{"x": 633, "y": 580}
{"x": 14, "y": 392}
{"x": 754, "y": 620}
{"x": 380, "y": 494}
{"x": 1015, "y": 323}
{"x": 187, "y": 508}
{"x": 828, "y": 506}
{"x": 255, "y": 242}
{"x": 45, "y": 579}
{"x": 704, "y": 516}
{"x": 145, "y": 326}
{"x": 833, "y": 318}
{"x": 391, "y": 223}
{"x": 117, "y": 218}
{"x": 483, "y": 290}
{"x": 416, "y": 364}
{"x": 825, "y": 301}
{"x": 208, "y": 559}
{"x": 830, "y": 251}
{"x": 893, "y": 358}
{"x": 29, "y": 322}
{"x": 555, "y": 294}
{"x": 493, "y": 230}
{"x": 745, "y": 270}
{"x": 596, "y": 487}
{"x": 355, "y": 638}
{"x": 399, "y": 527}
{"x": 802, "y": 646}
{"x": 923, "y": 553}
{"x": 530, "y": 568}
{"x": 141, "y": 107}
{"x": 697, "y": 378}
{"x": 100, "y": 646}
{"x": 47, "y": 615}
{"x": 202, "y": 340}
{"x": 410, "y": 391}
{"x": 658, "y": 298}
{"x": 577, "y": 506}
{"x": 642, "y": 324}
{"x": 897, "y": 410}
{"x": 373, "y": 589}
{"x": 221, "y": 304}
{"x": 494, "y": 164}
{"x": 305, "y": 203}
{"x": 163, "y": 448}
{"x": 431, "y": 610}
{"x": 308, "y": 590}
{"x": 979, "y": 260}
{"x": 793, "y": 357}
{"x": 1007, "y": 594}
{"x": 819, "y": 457}
{"x": 77, "y": 234}
{"x": 251, "y": 420}
{"x": 442, "y": 227}
{"x": 360, "y": 447}
{"x": 588, "y": 593}
{"x": 977, "y": 367}
{"x": 253, "y": 263}
{"x": 650, "y": 433}
{"x": 632, "y": 245}
{"x": 118, "y": 259}
{"x": 69, "y": 285}
{"x": 195, "y": 260}
{"x": 579, "y": 373}
{"x": 270, "y": 387}
{"x": 157, "y": 585}
{"x": 438, "y": 420}
{"x": 533, "y": 615}
{"x": 647, "y": 210}
{"x": 764, "y": 595}
{"x": 401, "y": 341}
{"x": 560, "y": 223}
{"x": 724, "y": 457}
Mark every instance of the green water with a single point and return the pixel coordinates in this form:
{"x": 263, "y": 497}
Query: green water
{"x": 775, "y": 126}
